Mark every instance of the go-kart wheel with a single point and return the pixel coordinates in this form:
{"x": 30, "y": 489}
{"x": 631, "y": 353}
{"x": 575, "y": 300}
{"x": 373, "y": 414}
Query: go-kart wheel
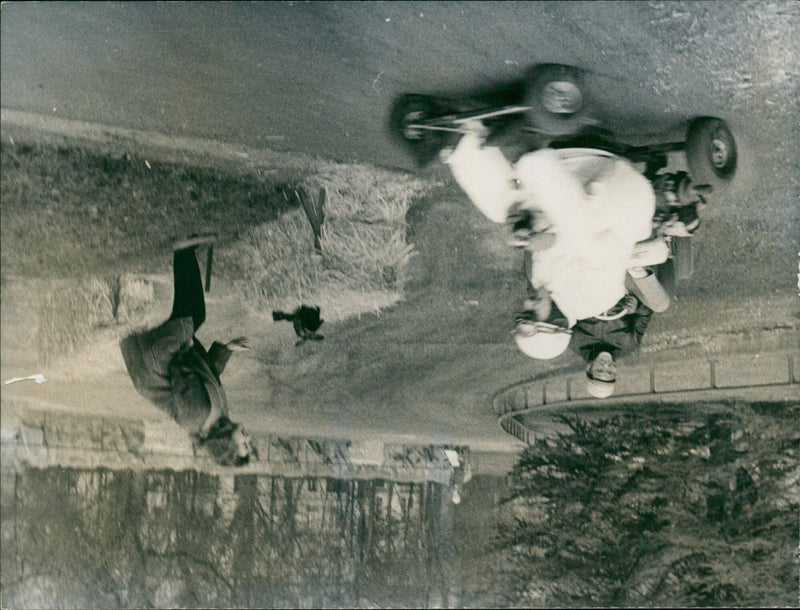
{"x": 424, "y": 144}
{"x": 674, "y": 273}
{"x": 683, "y": 258}
{"x": 667, "y": 277}
{"x": 555, "y": 96}
{"x": 710, "y": 152}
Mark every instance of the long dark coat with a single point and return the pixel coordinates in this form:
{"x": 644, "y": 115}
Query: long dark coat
{"x": 172, "y": 369}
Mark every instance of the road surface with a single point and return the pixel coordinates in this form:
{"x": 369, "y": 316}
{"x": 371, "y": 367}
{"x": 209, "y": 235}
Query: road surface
{"x": 319, "y": 77}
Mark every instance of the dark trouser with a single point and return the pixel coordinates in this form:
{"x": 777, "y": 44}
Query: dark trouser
{"x": 188, "y": 299}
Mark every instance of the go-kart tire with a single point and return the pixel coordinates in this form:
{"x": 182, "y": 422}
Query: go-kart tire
{"x": 423, "y": 144}
{"x": 666, "y": 275}
{"x": 555, "y": 95}
{"x": 711, "y": 153}
{"x": 683, "y": 258}
{"x": 675, "y": 273}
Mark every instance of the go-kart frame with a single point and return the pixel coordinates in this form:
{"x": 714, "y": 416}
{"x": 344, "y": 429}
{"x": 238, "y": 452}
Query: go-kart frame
{"x": 552, "y": 103}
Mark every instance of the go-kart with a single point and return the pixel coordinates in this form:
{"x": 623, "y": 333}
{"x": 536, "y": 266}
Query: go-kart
{"x": 550, "y": 106}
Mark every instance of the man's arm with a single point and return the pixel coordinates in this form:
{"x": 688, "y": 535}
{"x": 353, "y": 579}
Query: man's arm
{"x": 220, "y": 353}
{"x": 485, "y": 175}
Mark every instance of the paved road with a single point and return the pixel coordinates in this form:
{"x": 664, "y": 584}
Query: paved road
{"x": 319, "y": 77}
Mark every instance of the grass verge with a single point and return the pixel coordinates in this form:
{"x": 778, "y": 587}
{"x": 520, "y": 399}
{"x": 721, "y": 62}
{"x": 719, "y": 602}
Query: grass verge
{"x": 98, "y": 219}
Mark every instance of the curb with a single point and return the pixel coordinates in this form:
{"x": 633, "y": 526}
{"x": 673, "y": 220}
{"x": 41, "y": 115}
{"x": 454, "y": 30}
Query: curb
{"x": 773, "y": 374}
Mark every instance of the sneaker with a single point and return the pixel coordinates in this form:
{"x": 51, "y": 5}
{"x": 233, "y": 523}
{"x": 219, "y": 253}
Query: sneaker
{"x": 675, "y": 228}
{"x": 196, "y": 239}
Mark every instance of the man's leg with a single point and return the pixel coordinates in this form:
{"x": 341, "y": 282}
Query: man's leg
{"x": 648, "y": 253}
{"x": 537, "y": 297}
{"x": 642, "y": 282}
{"x": 188, "y": 299}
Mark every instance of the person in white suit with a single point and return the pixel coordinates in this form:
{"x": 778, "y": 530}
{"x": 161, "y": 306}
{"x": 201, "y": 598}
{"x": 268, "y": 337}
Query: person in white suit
{"x": 585, "y": 216}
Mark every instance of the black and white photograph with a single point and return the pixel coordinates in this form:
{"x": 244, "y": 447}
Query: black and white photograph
{"x": 400, "y": 304}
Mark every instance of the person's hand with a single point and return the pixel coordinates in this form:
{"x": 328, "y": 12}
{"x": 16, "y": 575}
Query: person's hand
{"x": 239, "y": 344}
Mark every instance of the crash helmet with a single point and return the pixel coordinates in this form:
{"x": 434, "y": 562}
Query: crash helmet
{"x": 541, "y": 340}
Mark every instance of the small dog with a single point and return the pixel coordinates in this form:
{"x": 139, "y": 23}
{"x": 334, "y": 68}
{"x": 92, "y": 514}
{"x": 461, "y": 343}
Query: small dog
{"x": 306, "y": 322}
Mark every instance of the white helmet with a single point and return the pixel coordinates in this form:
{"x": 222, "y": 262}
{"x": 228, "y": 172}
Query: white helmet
{"x": 541, "y": 340}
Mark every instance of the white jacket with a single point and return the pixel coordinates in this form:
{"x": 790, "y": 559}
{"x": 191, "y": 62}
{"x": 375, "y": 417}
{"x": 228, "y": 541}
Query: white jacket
{"x": 598, "y": 206}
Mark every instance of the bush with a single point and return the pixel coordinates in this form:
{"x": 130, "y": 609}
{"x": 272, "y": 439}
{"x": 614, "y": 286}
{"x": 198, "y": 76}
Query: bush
{"x": 663, "y": 507}
{"x": 365, "y": 193}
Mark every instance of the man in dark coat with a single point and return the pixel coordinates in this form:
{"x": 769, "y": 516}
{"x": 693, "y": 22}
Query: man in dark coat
{"x": 171, "y": 368}
{"x": 600, "y": 342}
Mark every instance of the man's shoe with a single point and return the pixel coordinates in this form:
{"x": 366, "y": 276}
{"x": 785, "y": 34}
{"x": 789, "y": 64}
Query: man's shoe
{"x": 647, "y": 289}
{"x": 675, "y": 228}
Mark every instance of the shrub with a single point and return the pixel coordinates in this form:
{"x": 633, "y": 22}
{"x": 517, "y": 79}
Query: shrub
{"x": 675, "y": 505}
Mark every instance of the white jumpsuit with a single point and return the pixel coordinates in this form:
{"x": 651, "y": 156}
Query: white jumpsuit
{"x": 597, "y": 205}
